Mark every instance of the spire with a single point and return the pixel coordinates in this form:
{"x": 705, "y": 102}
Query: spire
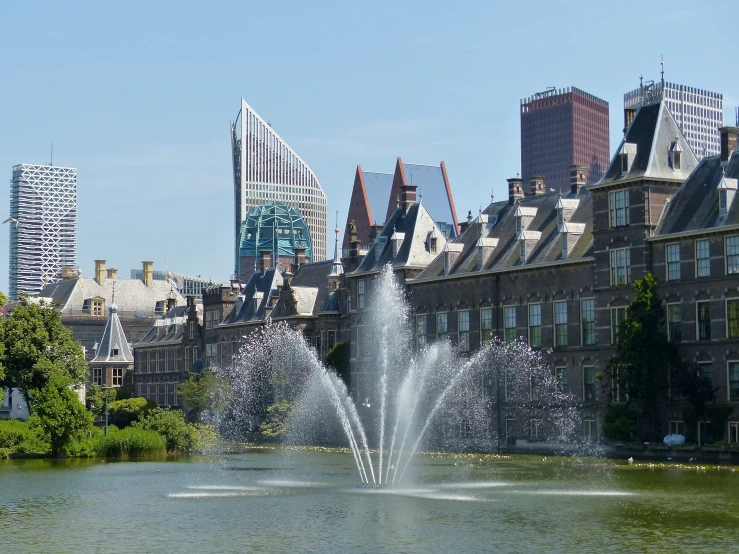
{"x": 336, "y": 267}
{"x": 662, "y": 71}
{"x": 113, "y": 346}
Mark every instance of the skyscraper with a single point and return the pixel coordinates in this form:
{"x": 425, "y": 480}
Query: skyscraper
{"x": 43, "y": 225}
{"x": 266, "y": 169}
{"x": 560, "y": 128}
{"x": 699, "y": 113}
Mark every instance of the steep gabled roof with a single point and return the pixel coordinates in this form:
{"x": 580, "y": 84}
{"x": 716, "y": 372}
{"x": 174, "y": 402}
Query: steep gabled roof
{"x": 113, "y": 346}
{"x": 250, "y": 305}
{"x": 368, "y": 202}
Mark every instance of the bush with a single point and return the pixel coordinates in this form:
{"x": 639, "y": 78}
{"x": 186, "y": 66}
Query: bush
{"x": 171, "y": 425}
{"x": 23, "y": 437}
{"x": 129, "y": 442}
{"x": 126, "y": 411}
{"x": 619, "y": 423}
{"x": 13, "y": 432}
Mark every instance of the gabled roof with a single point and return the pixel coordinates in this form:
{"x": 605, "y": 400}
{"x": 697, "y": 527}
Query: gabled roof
{"x": 694, "y": 206}
{"x": 368, "y": 202}
{"x": 251, "y": 303}
{"x": 653, "y": 133}
{"x": 170, "y": 328}
{"x": 113, "y": 346}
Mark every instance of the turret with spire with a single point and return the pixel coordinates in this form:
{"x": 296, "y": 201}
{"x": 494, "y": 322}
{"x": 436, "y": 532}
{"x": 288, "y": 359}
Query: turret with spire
{"x": 337, "y": 270}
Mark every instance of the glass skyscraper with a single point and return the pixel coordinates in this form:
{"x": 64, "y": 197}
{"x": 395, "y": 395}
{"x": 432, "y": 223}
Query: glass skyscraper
{"x": 699, "y": 113}
{"x": 43, "y": 225}
{"x": 266, "y": 169}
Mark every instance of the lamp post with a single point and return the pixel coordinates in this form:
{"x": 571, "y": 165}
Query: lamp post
{"x": 105, "y": 392}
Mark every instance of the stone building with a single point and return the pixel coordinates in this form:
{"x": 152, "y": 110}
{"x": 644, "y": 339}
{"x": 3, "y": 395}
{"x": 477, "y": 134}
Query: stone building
{"x": 113, "y": 364}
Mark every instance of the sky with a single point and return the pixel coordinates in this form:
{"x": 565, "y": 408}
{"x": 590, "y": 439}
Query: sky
{"x": 138, "y": 97}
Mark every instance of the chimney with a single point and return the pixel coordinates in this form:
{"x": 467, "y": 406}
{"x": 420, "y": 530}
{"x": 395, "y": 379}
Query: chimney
{"x": 299, "y": 257}
{"x": 147, "y": 273}
{"x": 375, "y": 230}
{"x": 171, "y": 303}
{"x": 112, "y": 273}
{"x": 67, "y": 273}
{"x": 100, "y": 271}
{"x": 515, "y": 190}
{"x": 629, "y": 115}
{"x": 407, "y": 196}
{"x": 264, "y": 260}
{"x": 190, "y": 301}
{"x": 728, "y": 142}
{"x": 577, "y": 178}
{"x": 537, "y": 186}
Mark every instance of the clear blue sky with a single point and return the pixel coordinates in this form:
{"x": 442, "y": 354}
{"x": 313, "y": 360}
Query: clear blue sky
{"x": 138, "y": 95}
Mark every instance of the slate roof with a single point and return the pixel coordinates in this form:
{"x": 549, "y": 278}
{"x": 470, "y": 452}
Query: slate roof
{"x": 132, "y": 296}
{"x": 415, "y": 226}
{"x": 250, "y": 305}
{"x": 377, "y": 187}
{"x": 498, "y": 222}
{"x": 694, "y": 206}
{"x": 170, "y": 329}
{"x": 315, "y": 276}
{"x": 113, "y": 346}
{"x": 654, "y": 133}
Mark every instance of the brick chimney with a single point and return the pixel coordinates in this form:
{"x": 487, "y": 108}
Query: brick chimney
{"x": 629, "y": 115}
{"x": 171, "y": 303}
{"x": 577, "y": 177}
{"x": 147, "y": 273}
{"x": 728, "y": 141}
{"x": 100, "y": 271}
{"x": 112, "y": 273}
{"x": 407, "y": 196}
{"x": 515, "y": 190}
{"x": 537, "y": 186}
{"x": 264, "y": 260}
{"x": 67, "y": 273}
{"x": 375, "y": 230}
{"x": 299, "y": 257}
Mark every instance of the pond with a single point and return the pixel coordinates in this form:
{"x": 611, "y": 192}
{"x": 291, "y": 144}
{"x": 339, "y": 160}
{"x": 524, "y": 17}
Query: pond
{"x": 306, "y": 501}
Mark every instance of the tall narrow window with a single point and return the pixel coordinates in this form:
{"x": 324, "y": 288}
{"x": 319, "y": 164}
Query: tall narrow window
{"x": 441, "y": 325}
{"x": 486, "y": 325}
{"x": 522, "y": 250}
{"x": 420, "y": 331}
{"x": 588, "y": 379}
{"x": 535, "y": 325}
{"x": 705, "y": 370}
{"x": 564, "y": 245}
{"x": 360, "y": 294}
{"x": 673, "y": 262}
{"x": 97, "y": 376}
{"x": 534, "y": 388}
{"x": 732, "y": 254}
{"x": 732, "y": 318}
{"x": 560, "y": 323}
{"x": 702, "y": 258}
{"x": 704, "y": 320}
{"x": 537, "y": 430}
{"x": 560, "y": 376}
{"x": 589, "y": 430}
{"x": 733, "y": 381}
{"x": 587, "y": 311}
{"x": 722, "y": 199}
{"x": 620, "y": 266}
{"x": 674, "y": 322}
{"x": 619, "y": 208}
{"x": 117, "y": 376}
{"x": 509, "y": 324}
{"x": 463, "y": 320}
{"x": 617, "y": 317}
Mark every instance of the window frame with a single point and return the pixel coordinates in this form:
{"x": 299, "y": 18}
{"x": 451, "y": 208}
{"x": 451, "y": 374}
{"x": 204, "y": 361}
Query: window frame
{"x": 583, "y": 323}
{"x": 614, "y": 266}
{"x": 463, "y": 335}
{"x": 669, "y": 322}
{"x": 561, "y": 327}
{"x": 729, "y": 334}
{"x": 538, "y": 327}
{"x": 421, "y": 338}
{"x": 486, "y": 334}
{"x": 615, "y": 328}
{"x": 698, "y": 260}
{"x": 360, "y": 294}
{"x": 560, "y": 379}
{"x": 613, "y": 208}
{"x": 507, "y": 310}
{"x": 585, "y": 384}
{"x": 729, "y": 396}
{"x": 446, "y": 324}
{"x": 698, "y": 320}
{"x": 734, "y": 267}
{"x": 591, "y": 424}
{"x": 672, "y": 267}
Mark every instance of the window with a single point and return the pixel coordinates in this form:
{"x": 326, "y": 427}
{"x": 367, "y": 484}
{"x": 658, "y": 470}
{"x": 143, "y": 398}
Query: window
{"x": 703, "y": 310}
{"x": 673, "y": 262}
{"x": 534, "y": 388}
{"x": 522, "y": 251}
{"x": 192, "y": 330}
{"x": 733, "y": 432}
{"x": 560, "y": 376}
{"x": 676, "y": 427}
{"x": 588, "y": 379}
{"x": 510, "y": 431}
{"x": 519, "y": 226}
{"x": 617, "y": 317}
{"x": 195, "y": 354}
{"x": 349, "y": 301}
{"x": 360, "y": 331}
{"x": 508, "y": 380}
{"x": 560, "y": 323}
{"x": 97, "y": 307}
{"x": 486, "y": 325}
{"x": 677, "y": 160}
{"x": 331, "y": 340}
{"x": 441, "y": 324}
{"x": 620, "y": 266}
{"x": 360, "y": 294}
{"x": 732, "y": 254}
{"x": 589, "y": 430}
{"x": 97, "y": 376}
{"x": 432, "y": 245}
{"x": 702, "y": 258}
{"x": 421, "y": 331}
{"x": 509, "y": 324}
{"x": 674, "y": 323}
{"x": 733, "y": 381}
{"x": 117, "y": 376}
{"x": 705, "y": 370}
{"x": 463, "y": 319}
{"x": 560, "y": 218}
{"x": 587, "y": 313}
{"x": 618, "y": 207}
{"x": 732, "y": 318}
{"x": 537, "y": 432}
{"x": 159, "y": 307}
{"x": 564, "y": 245}
{"x": 624, "y": 162}
{"x": 188, "y": 366}
{"x": 722, "y": 199}
{"x": 535, "y": 325}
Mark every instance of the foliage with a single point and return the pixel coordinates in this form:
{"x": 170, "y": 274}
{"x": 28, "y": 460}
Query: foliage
{"x": 3, "y": 300}
{"x": 619, "y": 422}
{"x": 719, "y": 415}
{"x": 696, "y": 389}
{"x": 95, "y": 398}
{"x": 124, "y": 412}
{"x": 61, "y": 414}
{"x": 275, "y": 425}
{"x": 130, "y": 442}
{"x": 23, "y": 437}
{"x": 197, "y": 392}
{"x": 338, "y": 359}
{"x": 644, "y": 357}
{"x": 171, "y": 425}
{"x": 37, "y": 347}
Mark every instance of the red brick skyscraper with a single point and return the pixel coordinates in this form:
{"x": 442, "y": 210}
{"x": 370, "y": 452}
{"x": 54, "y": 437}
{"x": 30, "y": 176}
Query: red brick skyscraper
{"x": 560, "y": 128}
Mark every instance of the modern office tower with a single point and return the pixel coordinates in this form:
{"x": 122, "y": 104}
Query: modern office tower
{"x": 43, "y": 225}
{"x": 699, "y": 113}
{"x": 560, "y": 128}
{"x": 266, "y": 169}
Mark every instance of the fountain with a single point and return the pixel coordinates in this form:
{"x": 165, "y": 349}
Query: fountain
{"x": 400, "y": 400}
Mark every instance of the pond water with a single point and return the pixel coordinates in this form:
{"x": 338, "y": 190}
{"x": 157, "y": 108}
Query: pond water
{"x": 304, "y": 501}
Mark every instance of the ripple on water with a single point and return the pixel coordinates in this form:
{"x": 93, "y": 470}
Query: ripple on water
{"x": 576, "y": 493}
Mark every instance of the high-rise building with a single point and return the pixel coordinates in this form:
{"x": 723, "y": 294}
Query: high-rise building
{"x": 43, "y": 225}
{"x": 560, "y": 128}
{"x": 699, "y": 113}
{"x": 266, "y": 169}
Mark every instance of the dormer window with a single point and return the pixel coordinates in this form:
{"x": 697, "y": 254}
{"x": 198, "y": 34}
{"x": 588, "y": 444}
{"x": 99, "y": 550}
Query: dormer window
{"x": 676, "y": 155}
{"x": 522, "y": 251}
{"x": 564, "y": 245}
{"x": 480, "y": 257}
{"x": 519, "y": 225}
{"x": 560, "y": 218}
{"x": 627, "y": 154}
{"x": 432, "y": 245}
{"x": 446, "y": 261}
{"x": 624, "y": 162}
{"x": 722, "y": 200}
{"x": 159, "y": 307}
{"x": 726, "y": 191}
{"x": 113, "y": 352}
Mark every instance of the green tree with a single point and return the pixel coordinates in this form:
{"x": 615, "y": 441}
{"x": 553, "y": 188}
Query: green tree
{"x": 60, "y": 411}
{"x": 275, "y": 424}
{"x": 197, "y": 393}
{"x": 338, "y": 359}
{"x": 126, "y": 411}
{"x": 171, "y": 425}
{"x": 644, "y": 358}
{"x": 95, "y": 398}
{"x": 37, "y": 347}
{"x": 3, "y": 300}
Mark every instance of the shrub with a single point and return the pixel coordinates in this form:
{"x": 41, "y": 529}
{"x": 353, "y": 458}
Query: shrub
{"x": 13, "y": 432}
{"x": 129, "y": 442}
{"x": 620, "y": 423}
{"x": 128, "y": 410}
{"x": 23, "y": 437}
{"x": 171, "y": 425}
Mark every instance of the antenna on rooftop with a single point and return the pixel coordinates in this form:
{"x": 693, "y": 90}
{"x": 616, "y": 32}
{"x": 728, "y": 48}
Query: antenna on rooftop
{"x": 51, "y": 159}
{"x": 662, "y": 63}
